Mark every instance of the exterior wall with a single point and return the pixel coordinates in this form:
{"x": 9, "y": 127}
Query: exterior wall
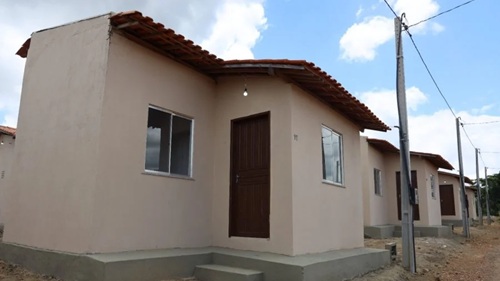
{"x": 325, "y": 216}
{"x": 471, "y": 197}
{"x": 432, "y": 206}
{"x": 430, "y": 209}
{"x": 392, "y": 164}
{"x": 265, "y": 94}
{"x": 51, "y": 188}
{"x": 448, "y": 179}
{"x": 375, "y": 207}
{"x": 6, "y": 156}
{"x": 153, "y": 211}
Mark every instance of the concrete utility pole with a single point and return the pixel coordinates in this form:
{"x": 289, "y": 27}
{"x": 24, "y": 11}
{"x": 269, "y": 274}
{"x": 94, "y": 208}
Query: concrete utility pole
{"x": 488, "y": 219}
{"x": 478, "y": 184}
{"x": 407, "y": 192}
{"x": 465, "y": 217}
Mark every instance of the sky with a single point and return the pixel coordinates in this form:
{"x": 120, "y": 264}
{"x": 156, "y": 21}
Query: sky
{"x": 351, "y": 40}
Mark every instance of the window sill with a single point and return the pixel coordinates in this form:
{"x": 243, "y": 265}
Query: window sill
{"x": 333, "y": 183}
{"x": 166, "y": 175}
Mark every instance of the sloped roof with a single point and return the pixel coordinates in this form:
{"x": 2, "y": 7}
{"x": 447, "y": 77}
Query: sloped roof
{"x": 466, "y": 179}
{"x": 382, "y": 145}
{"x": 306, "y": 75}
{"x": 436, "y": 159}
{"x": 7, "y": 131}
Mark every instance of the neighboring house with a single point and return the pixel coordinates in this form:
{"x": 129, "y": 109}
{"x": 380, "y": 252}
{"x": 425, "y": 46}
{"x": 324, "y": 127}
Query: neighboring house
{"x": 382, "y": 191}
{"x": 449, "y": 192}
{"x": 471, "y": 191}
{"x": 136, "y": 139}
{"x": 7, "y": 143}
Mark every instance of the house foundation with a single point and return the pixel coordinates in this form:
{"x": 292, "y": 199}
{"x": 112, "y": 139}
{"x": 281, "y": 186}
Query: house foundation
{"x": 387, "y": 231}
{"x": 154, "y": 265}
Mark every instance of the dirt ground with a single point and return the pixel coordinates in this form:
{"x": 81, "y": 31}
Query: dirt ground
{"x": 438, "y": 259}
{"x": 446, "y": 259}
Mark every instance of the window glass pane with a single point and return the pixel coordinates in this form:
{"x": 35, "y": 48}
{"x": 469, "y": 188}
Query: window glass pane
{"x": 327, "y": 154}
{"x": 158, "y": 140}
{"x": 377, "y": 177}
{"x": 332, "y": 156}
{"x": 181, "y": 146}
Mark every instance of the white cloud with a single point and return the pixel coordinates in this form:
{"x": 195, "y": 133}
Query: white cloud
{"x": 436, "y": 132}
{"x": 361, "y": 40}
{"x": 228, "y": 28}
{"x": 384, "y": 103}
{"x": 238, "y": 27}
{"x": 359, "y": 12}
{"x": 416, "y": 11}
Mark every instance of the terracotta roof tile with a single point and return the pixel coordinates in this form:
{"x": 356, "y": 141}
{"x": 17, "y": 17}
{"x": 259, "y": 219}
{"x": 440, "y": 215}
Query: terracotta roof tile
{"x": 7, "y": 130}
{"x": 306, "y": 75}
{"x": 436, "y": 159}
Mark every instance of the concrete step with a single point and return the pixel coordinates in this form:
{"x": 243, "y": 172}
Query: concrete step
{"x": 398, "y": 233}
{"x": 215, "y": 272}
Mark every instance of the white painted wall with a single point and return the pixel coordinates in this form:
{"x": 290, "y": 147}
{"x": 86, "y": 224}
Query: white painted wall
{"x": 375, "y": 207}
{"x": 6, "y": 157}
{"x": 133, "y": 210}
{"x": 265, "y": 94}
{"x": 325, "y": 216}
{"x": 430, "y": 209}
{"x": 471, "y": 197}
{"x": 445, "y": 179}
{"x": 52, "y": 187}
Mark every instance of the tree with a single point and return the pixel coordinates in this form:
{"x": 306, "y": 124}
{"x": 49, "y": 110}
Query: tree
{"x": 494, "y": 191}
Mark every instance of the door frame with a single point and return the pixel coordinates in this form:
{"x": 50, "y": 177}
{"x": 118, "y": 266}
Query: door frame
{"x": 231, "y": 227}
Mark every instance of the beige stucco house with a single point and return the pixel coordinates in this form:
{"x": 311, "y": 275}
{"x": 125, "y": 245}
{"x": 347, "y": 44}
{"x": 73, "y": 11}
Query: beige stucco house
{"x": 449, "y": 190}
{"x": 381, "y": 189}
{"x": 7, "y": 144}
{"x": 136, "y": 139}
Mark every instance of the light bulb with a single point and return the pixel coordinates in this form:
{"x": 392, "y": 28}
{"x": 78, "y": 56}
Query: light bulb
{"x": 245, "y": 93}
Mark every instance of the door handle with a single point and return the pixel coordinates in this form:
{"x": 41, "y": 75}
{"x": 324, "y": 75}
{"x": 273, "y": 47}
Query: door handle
{"x": 237, "y": 178}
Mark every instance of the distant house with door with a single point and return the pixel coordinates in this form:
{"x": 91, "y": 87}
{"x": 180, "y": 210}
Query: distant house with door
{"x": 135, "y": 140}
{"x": 7, "y": 144}
{"x": 382, "y": 190}
{"x": 449, "y": 190}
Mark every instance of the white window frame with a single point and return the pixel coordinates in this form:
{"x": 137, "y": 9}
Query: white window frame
{"x": 377, "y": 181}
{"x": 341, "y": 158}
{"x": 191, "y": 146}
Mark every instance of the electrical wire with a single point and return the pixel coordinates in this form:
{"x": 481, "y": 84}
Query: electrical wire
{"x": 481, "y": 123}
{"x": 406, "y": 27}
{"x": 467, "y": 135}
{"x": 442, "y": 13}
{"x": 491, "y": 151}
{"x": 430, "y": 74}
{"x": 390, "y": 8}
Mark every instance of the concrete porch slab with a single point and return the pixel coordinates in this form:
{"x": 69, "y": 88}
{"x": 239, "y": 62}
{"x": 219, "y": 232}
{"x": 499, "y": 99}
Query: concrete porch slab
{"x": 154, "y": 265}
{"x": 379, "y": 231}
{"x": 430, "y": 231}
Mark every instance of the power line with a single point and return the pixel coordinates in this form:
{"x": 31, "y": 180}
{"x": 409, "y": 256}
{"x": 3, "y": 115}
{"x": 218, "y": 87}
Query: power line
{"x": 481, "y": 123}
{"x": 491, "y": 151}
{"x": 442, "y": 13}
{"x": 468, "y": 137}
{"x": 390, "y": 8}
{"x": 430, "y": 74}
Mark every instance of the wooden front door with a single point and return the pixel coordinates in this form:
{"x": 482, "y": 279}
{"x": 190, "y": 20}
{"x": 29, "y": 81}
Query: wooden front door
{"x": 447, "y": 200}
{"x": 414, "y": 184}
{"x": 249, "y": 198}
